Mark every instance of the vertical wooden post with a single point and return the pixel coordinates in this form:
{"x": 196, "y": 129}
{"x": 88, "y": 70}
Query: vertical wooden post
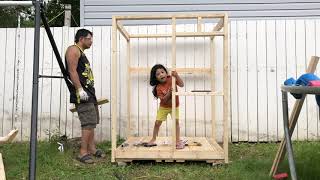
{"x": 225, "y": 88}
{"x": 199, "y": 24}
{"x": 173, "y": 55}
{"x": 128, "y": 90}
{"x": 114, "y": 103}
{"x": 67, "y": 15}
{"x": 213, "y": 88}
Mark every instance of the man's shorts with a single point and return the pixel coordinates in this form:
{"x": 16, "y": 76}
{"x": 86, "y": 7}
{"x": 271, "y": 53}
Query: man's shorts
{"x": 88, "y": 114}
{"x": 163, "y": 113}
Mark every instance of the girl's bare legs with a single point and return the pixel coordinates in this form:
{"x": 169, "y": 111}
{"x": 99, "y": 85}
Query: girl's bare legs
{"x": 177, "y": 131}
{"x": 156, "y": 128}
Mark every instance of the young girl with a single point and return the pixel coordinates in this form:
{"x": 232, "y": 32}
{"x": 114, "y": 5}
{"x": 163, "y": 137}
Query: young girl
{"x": 162, "y": 89}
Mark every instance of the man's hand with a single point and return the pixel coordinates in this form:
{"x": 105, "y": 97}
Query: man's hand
{"x": 82, "y": 94}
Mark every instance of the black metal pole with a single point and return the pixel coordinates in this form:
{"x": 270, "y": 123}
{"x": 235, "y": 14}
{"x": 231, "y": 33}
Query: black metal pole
{"x": 287, "y": 136}
{"x": 34, "y": 107}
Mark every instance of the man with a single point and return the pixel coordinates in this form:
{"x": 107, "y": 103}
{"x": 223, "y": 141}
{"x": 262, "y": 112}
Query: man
{"x": 83, "y": 94}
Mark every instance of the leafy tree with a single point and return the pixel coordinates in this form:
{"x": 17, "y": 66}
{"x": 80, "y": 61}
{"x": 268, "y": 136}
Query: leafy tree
{"x": 54, "y": 13}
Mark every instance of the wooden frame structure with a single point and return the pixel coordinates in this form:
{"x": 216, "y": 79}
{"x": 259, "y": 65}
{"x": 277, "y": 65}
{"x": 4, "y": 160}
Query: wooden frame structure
{"x": 209, "y": 150}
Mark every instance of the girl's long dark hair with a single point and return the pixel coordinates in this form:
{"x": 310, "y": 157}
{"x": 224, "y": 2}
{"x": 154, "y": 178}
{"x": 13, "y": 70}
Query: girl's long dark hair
{"x": 153, "y": 79}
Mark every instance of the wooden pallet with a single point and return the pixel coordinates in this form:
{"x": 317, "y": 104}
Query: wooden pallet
{"x": 209, "y": 151}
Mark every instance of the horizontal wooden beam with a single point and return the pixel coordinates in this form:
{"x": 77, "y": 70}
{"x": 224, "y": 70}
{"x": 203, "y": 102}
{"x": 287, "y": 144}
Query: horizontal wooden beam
{"x": 216, "y": 93}
{"x": 100, "y": 102}
{"x": 179, "y": 34}
{"x": 123, "y": 31}
{"x": 179, "y": 70}
{"x": 169, "y": 16}
{"x": 219, "y": 25}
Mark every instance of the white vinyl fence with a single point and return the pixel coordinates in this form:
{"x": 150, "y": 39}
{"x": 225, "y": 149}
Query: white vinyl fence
{"x": 263, "y": 53}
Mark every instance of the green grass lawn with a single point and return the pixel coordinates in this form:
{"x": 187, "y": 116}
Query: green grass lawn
{"x": 249, "y": 161}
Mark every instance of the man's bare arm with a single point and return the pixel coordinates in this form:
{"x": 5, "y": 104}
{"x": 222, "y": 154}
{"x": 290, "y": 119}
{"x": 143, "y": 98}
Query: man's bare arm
{"x": 72, "y": 56}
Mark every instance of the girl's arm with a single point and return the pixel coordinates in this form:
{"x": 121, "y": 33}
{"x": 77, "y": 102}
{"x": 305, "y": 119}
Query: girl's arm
{"x": 166, "y": 97}
{"x": 178, "y": 79}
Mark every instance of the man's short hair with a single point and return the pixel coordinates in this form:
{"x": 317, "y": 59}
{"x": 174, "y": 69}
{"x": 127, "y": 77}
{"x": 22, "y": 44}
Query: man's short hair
{"x": 81, "y": 33}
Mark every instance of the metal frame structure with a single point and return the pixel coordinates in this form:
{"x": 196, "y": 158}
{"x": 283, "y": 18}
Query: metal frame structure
{"x": 289, "y": 123}
{"x": 39, "y": 15}
{"x": 127, "y": 154}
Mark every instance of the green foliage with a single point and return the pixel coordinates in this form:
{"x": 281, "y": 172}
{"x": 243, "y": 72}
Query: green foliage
{"x": 249, "y": 161}
{"x": 54, "y": 13}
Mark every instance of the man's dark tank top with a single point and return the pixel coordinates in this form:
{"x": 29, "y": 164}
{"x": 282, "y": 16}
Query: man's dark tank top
{"x": 86, "y": 80}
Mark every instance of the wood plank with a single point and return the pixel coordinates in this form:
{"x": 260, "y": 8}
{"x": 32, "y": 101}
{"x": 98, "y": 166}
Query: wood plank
{"x": 190, "y": 58}
{"x": 163, "y": 152}
{"x": 179, "y": 34}
{"x": 152, "y": 60}
{"x": 252, "y": 81}
{"x": 213, "y": 88}
{"x": 122, "y": 85}
{"x": 97, "y": 72}
{"x": 55, "y": 119}
{"x": 18, "y": 92}
{"x": 242, "y": 80}
{"x": 291, "y": 62}
{"x": 106, "y": 88}
{"x": 217, "y": 93}
{"x": 262, "y": 82}
{"x": 312, "y": 107}
{"x": 143, "y": 83}
{"x": 27, "y": 85}
{"x": 128, "y": 56}
{"x": 3, "y": 41}
{"x": 234, "y": 82}
{"x": 173, "y": 84}
{"x": 302, "y": 124}
{"x": 179, "y": 70}
{"x": 64, "y": 99}
{"x": 169, "y": 16}
{"x": 199, "y": 84}
{"x": 281, "y": 71}
{"x": 114, "y": 102}
{"x": 73, "y": 121}
{"x": 8, "y": 81}
{"x": 272, "y": 84}
{"x": 219, "y": 25}
{"x": 226, "y": 80}
{"x": 123, "y": 31}
{"x": 135, "y": 96}
{"x": 2, "y": 171}
{"x": 210, "y": 106}
{"x": 317, "y": 49}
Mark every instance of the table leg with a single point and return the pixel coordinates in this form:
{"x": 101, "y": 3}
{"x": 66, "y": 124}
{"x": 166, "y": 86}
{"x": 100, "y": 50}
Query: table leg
{"x": 287, "y": 136}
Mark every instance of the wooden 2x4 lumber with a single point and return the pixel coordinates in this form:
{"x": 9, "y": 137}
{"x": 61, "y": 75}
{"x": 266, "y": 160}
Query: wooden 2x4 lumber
{"x": 173, "y": 99}
{"x": 219, "y": 25}
{"x": 169, "y": 16}
{"x": 199, "y": 24}
{"x": 216, "y": 93}
{"x": 226, "y": 80}
{"x": 114, "y": 101}
{"x": 179, "y": 70}
{"x": 179, "y": 34}
{"x": 100, "y": 102}
{"x": 123, "y": 31}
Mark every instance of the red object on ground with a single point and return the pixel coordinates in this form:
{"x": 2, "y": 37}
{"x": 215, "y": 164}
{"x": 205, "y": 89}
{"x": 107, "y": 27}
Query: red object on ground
{"x": 280, "y": 176}
{"x": 314, "y": 83}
